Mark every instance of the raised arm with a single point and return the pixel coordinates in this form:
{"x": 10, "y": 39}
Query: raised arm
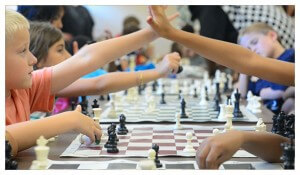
{"x": 113, "y": 82}
{"x": 224, "y": 53}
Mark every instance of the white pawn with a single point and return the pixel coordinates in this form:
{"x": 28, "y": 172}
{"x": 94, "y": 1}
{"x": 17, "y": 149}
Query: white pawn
{"x": 216, "y": 131}
{"x": 203, "y": 101}
{"x": 151, "y": 105}
{"x": 221, "y": 115}
{"x": 255, "y": 103}
{"x": 85, "y": 140}
{"x": 151, "y": 154}
{"x": 41, "y": 151}
{"x": 178, "y": 124}
{"x": 229, "y": 77}
{"x": 112, "y": 111}
{"x": 146, "y": 165}
{"x": 189, "y": 147}
{"x": 260, "y": 126}
{"x": 228, "y": 115}
{"x": 249, "y": 100}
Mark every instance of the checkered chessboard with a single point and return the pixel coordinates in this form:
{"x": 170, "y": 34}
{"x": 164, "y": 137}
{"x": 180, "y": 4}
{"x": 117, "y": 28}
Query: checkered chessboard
{"x": 136, "y": 111}
{"x": 141, "y": 137}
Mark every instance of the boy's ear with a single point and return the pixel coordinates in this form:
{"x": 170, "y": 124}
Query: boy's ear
{"x": 273, "y": 35}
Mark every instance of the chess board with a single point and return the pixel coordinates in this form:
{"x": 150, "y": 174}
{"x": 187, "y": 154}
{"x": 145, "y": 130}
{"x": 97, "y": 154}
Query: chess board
{"x": 141, "y": 137}
{"x": 123, "y": 164}
{"x": 136, "y": 111}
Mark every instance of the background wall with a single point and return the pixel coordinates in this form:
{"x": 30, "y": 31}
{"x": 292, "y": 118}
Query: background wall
{"x": 111, "y": 18}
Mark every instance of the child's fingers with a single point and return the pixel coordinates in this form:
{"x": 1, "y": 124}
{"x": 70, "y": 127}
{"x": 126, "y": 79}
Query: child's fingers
{"x": 98, "y": 133}
{"x": 173, "y": 16}
{"x": 75, "y": 47}
{"x": 78, "y": 108}
{"x": 91, "y": 136}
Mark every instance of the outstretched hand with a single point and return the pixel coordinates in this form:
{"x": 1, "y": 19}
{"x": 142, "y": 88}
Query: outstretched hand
{"x": 169, "y": 64}
{"x": 215, "y": 150}
{"x": 159, "y": 21}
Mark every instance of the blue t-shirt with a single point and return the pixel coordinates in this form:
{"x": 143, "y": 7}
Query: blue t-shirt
{"x": 288, "y": 56}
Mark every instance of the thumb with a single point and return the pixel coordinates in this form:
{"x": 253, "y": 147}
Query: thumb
{"x": 78, "y": 108}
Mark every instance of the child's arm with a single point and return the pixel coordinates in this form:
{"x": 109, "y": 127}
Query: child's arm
{"x": 215, "y": 150}
{"x": 24, "y": 135}
{"x": 270, "y": 94}
{"x": 96, "y": 55}
{"x": 224, "y": 53}
{"x": 113, "y": 82}
{"x": 243, "y": 85}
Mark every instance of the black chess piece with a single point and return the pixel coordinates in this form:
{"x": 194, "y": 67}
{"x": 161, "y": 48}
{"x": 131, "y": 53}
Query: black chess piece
{"x": 95, "y": 105}
{"x": 217, "y": 94}
{"x": 84, "y": 105}
{"x": 122, "y": 130}
{"x": 140, "y": 89}
{"x": 182, "y": 111}
{"x": 154, "y": 84}
{"x": 288, "y": 154}
{"x": 111, "y": 141}
{"x": 226, "y": 89}
{"x": 280, "y": 123}
{"x": 195, "y": 93}
{"x": 179, "y": 94}
{"x": 206, "y": 93}
{"x": 9, "y": 163}
{"x": 237, "y": 112}
{"x": 157, "y": 161}
{"x": 228, "y": 99}
{"x": 126, "y": 92}
{"x": 274, "y": 126}
{"x": 162, "y": 100}
{"x": 108, "y": 97}
{"x": 73, "y": 105}
{"x": 180, "y": 69}
{"x": 217, "y": 106}
{"x": 114, "y": 127}
{"x": 289, "y": 125}
{"x": 101, "y": 98}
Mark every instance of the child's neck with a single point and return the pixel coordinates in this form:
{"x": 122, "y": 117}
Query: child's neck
{"x": 278, "y": 51}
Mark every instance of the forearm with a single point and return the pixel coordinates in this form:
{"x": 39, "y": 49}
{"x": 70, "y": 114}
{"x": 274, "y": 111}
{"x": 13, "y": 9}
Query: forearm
{"x": 264, "y": 145}
{"x": 236, "y": 57}
{"x": 96, "y": 55}
{"x": 111, "y": 82}
{"x": 243, "y": 85}
{"x": 269, "y": 94}
{"x": 25, "y": 134}
{"x": 101, "y": 53}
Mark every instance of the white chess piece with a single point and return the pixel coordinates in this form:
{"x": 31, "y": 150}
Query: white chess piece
{"x": 177, "y": 124}
{"x": 221, "y": 115}
{"x": 151, "y": 105}
{"x": 256, "y": 105}
{"x": 249, "y": 100}
{"x": 185, "y": 89}
{"x": 41, "y": 151}
{"x": 112, "y": 111}
{"x": 203, "y": 101}
{"x": 229, "y": 77}
{"x": 189, "y": 147}
{"x": 216, "y": 131}
{"x": 97, "y": 113}
{"x": 222, "y": 81}
{"x": 85, "y": 140}
{"x": 228, "y": 115}
{"x": 151, "y": 154}
{"x": 260, "y": 126}
{"x": 146, "y": 165}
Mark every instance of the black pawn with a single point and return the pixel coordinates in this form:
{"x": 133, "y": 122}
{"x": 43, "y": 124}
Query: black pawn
{"x": 216, "y": 105}
{"x": 162, "y": 100}
{"x": 95, "y": 105}
{"x": 122, "y": 130}
{"x": 108, "y": 97}
{"x": 84, "y": 105}
{"x": 217, "y": 95}
{"x": 237, "y": 112}
{"x": 195, "y": 93}
{"x": 140, "y": 90}
{"x": 157, "y": 161}
{"x": 101, "y": 98}
{"x": 182, "y": 111}
{"x": 154, "y": 84}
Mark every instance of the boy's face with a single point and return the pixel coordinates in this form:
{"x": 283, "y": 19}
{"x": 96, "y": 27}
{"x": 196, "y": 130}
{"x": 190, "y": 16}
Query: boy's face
{"x": 56, "y": 54}
{"x": 19, "y": 61}
{"x": 260, "y": 43}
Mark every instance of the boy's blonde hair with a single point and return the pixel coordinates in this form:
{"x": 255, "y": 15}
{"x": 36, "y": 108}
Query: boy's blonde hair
{"x": 260, "y": 28}
{"x": 14, "y": 21}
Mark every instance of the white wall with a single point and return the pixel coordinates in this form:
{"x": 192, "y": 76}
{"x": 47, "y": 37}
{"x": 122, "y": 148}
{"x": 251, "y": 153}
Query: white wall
{"x": 111, "y": 18}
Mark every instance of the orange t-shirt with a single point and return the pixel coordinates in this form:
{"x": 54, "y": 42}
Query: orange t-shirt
{"x": 22, "y": 102}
